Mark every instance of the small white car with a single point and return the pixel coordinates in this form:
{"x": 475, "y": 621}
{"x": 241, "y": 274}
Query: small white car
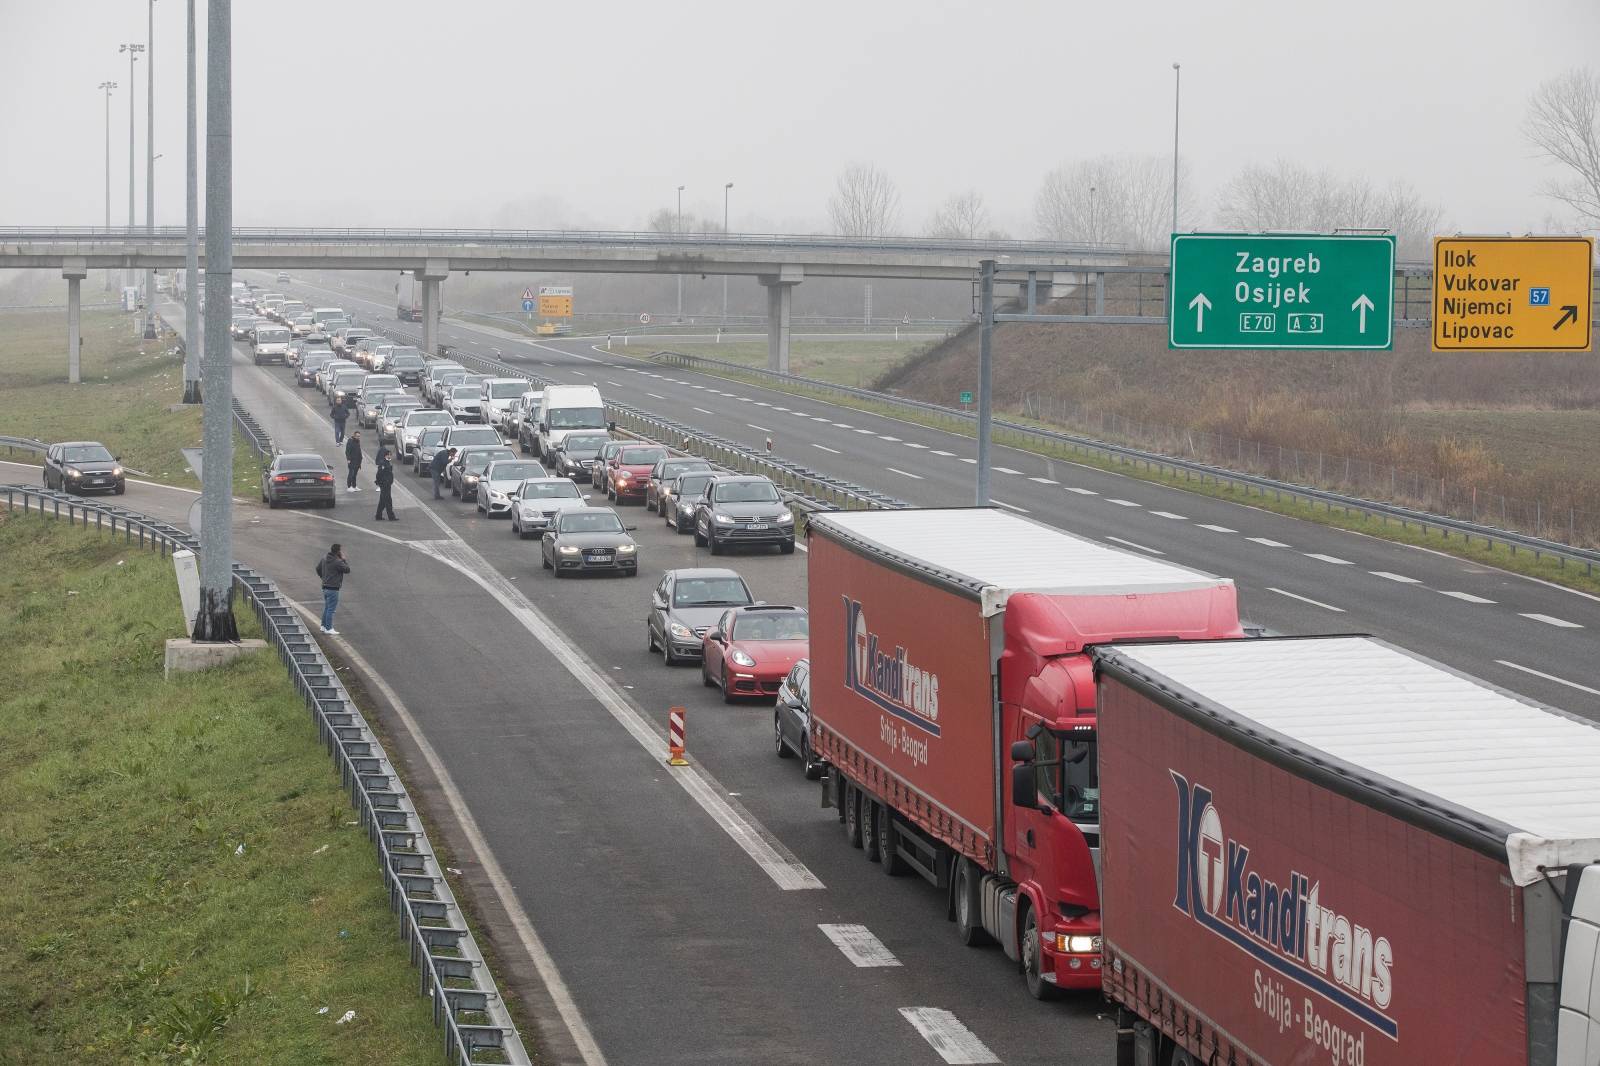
{"x": 538, "y": 501}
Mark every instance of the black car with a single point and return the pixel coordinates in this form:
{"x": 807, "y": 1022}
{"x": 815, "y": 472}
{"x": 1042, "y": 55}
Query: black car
{"x": 589, "y": 538}
{"x": 406, "y": 364}
{"x": 83, "y": 466}
{"x": 688, "y": 488}
{"x": 311, "y": 361}
{"x": 743, "y": 509}
{"x": 297, "y": 479}
{"x": 791, "y": 720}
{"x": 598, "y": 473}
{"x": 577, "y": 453}
{"x": 466, "y": 470}
{"x": 663, "y": 472}
{"x": 684, "y": 607}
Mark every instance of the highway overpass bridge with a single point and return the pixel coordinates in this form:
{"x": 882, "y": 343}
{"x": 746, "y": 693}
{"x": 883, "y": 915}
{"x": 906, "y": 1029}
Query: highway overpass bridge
{"x": 779, "y": 262}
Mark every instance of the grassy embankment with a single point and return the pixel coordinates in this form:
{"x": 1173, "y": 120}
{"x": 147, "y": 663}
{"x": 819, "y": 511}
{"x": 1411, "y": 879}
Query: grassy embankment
{"x": 139, "y": 930}
{"x": 129, "y": 387}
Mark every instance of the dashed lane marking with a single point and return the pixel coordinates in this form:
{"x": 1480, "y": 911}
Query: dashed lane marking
{"x": 1006, "y": 470}
{"x": 1266, "y": 542}
{"x": 825, "y": 448}
{"x": 1080, "y": 492}
{"x": 1465, "y": 597}
{"x": 758, "y": 429}
{"x": 891, "y": 440}
{"x": 1134, "y": 544}
{"x": 1169, "y": 514}
{"x": 702, "y": 410}
{"x": 904, "y": 473}
{"x": 944, "y": 1032}
{"x": 1549, "y": 677}
{"x": 655, "y": 396}
{"x": 1121, "y": 503}
{"x": 1012, "y": 507}
{"x": 1550, "y": 620}
{"x": 914, "y": 444}
{"x": 1307, "y": 599}
{"x": 1332, "y": 559}
{"x": 1045, "y": 480}
{"x": 859, "y": 945}
{"x": 1399, "y": 578}
{"x": 1215, "y": 529}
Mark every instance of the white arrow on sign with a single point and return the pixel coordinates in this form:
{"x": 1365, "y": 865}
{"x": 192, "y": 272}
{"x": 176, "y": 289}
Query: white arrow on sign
{"x": 1200, "y": 305}
{"x": 1363, "y": 305}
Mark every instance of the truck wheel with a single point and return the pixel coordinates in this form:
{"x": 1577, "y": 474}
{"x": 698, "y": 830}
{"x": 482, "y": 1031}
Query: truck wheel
{"x": 888, "y": 855}
{"x": 777, "y": 734}
{"x": 869, "y": 828}
{"x": 852, "y": 815}
{"x": 969, "y": 907}
{"x": 1038, "y": 987}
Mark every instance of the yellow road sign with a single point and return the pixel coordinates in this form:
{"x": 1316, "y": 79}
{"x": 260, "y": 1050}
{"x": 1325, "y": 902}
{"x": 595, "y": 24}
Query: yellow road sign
{"x": 555, "y": 306}
{"x": 1513, "y": 294}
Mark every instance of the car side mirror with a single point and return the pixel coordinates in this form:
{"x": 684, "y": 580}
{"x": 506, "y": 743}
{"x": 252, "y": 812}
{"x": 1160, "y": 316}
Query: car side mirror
{"x": 630, "y": 529}
{"x": 586, "y": 496}
{"x": 612, "y": 426}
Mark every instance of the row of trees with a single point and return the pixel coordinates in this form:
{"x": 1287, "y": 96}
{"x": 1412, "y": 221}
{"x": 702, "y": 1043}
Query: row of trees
{"x": 1127, "y": 199}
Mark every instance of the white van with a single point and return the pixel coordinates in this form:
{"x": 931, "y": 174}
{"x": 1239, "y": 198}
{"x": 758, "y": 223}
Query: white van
{"x": 270, "y": 343}
{"x": 495, "y": 396}
{"x": 568, "y": 408}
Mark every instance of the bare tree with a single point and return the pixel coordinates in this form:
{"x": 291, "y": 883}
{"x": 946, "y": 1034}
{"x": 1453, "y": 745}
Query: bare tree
{"x": 1564, "y": 122}
{"x": 865, "y": 202}
{"x": 1288, "y": 196}
{"x": 963, "y": 216}
{"x": 1123, "y": 200}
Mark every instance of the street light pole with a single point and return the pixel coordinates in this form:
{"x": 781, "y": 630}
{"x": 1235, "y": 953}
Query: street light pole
{"x": 985, "y": 375}
{"x": 726, "y": 189}
{"x": 1177, "y": 93}
{"x": 1094, "y": 234}
{"x": 677, "y": 230}
{"x": 107, "y": 86}
{"x": 150, "y": 164}
{"x": 133, "y": 51}
{"x": 193, "y": 343}
{"x": 215, "y": 622}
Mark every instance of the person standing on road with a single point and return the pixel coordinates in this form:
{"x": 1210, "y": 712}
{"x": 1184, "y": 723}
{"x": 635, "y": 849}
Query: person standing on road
{"x": 352, "y": 460}
{"x": 385, "y": 479}
{"x": 341, "y": 415}
{"x": 331, "y": 569}
{"x": 441, "y": 462}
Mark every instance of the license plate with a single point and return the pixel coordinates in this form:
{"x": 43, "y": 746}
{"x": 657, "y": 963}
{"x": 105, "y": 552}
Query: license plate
{"x": 758, "y": 525}
{"x": 305, "y": 481}
{"x": 599, "y": 556}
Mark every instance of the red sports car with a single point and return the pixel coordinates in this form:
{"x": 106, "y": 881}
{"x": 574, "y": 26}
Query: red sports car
{"x": 752, "y": 649}
{"x": 629, "y": 471}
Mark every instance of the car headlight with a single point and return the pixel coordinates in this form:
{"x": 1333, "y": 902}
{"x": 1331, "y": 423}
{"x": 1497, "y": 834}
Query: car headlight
{"x": 627, "y": 549}
{"x": 116, "y": 471}
{"x": 786, "y": 519}
{"x": 722, "y": 519}
{"x": 73, "y": 471}
{"x": 623, "y": 475}
{"x": 566, "y": 549}
{"x": 472, "y": 479}
{"x": 741, "y": 658}
{"x": 679, "y": 630}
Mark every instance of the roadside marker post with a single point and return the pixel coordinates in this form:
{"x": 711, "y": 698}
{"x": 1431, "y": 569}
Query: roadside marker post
{"x": 675, "y": 735}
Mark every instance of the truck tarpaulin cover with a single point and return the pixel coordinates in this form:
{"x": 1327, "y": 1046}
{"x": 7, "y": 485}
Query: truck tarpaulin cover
{"x": 1306, "y": 927}
{"x": 901, "y": 668}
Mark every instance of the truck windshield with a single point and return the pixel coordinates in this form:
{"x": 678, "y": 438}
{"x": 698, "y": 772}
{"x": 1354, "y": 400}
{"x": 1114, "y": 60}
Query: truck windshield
{"x": 1069, "y": 774}
{"x": 578, "y": 418}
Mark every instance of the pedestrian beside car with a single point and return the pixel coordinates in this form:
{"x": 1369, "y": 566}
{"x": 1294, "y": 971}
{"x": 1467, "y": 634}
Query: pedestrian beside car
{"x": 352, "y": 461}
{"x": 331, "y": 569}
{"x": 340, "y": 415}
{"x": 441, "y": 462}
{"x": 385, "y": 480}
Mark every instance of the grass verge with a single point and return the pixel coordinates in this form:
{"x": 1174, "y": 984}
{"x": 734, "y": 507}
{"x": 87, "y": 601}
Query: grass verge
{"x": 124, "y": 401}
{"x": 1498, "y": 555}
{"x": 141, "y": 930}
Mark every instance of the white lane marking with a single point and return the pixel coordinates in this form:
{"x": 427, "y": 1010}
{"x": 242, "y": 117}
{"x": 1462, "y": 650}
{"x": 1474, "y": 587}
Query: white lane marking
{"x": 1080, "y": 492}
{"x": 1045, "y": 480}
{"x": 1012, "y": 507}
{"x": 954, "y": 1042}
{"x": 1216, "y": 529}
{"x": 655, "y": 396}
{"x": 868, "y": 432}
{"x": 560, "y": 994}
{"x": 859, "y": 945}
{"x": 802, "y": 414}
{"x": 615, "y": 384}
{"x": 947, "y": 455}
{"x": 1169, "y": 514}
{"x": 1133, "y": 544}
{"x": 891, "y": 440}
{"x": 703, "y": 411}
{"x": 1465, "y": 597}
{"x": 1401, "y": 578}
{"x": 761, "y": 403}
{"x": 904, "y": 473}
{"x": 914, "y": 444}
{"x": 970, "y": 462}
{"x": 825, "y": 448}
{"x": 1307, "y": 599}
{"x": 759, "y": 429}
{"x": 819, "y": 418}
{"x": 1550, "y": 620}
{"x": 843, "y": 425}
{"x": 1333, "y": 559}
{"x": 697, "y": 386}
{"x": 786, "y": 871}
{"x": 1268, "y": 543}
{"x": 1006, "y": 470}
{"x": 775, "y": 407}
{"x": 351, "y": 525}
{"x": 580, "y": 373}
{"x": 1121, "y": 503}
{"x": 1549, "y": 677}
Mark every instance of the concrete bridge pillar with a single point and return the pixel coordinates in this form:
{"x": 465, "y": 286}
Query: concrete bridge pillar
{"x": 74, "y": 270}
{"x": 780, "y": 303}
{"x": 432, "y": 273}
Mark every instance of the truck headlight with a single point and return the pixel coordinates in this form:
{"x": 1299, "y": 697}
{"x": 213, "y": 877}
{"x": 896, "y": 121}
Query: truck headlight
{"x": 1077, "y": 945}
{"x": 741, "y": 658}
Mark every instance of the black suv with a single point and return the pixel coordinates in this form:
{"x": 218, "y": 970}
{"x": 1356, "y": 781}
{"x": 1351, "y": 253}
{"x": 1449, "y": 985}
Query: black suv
{"x": 743, "y": 509}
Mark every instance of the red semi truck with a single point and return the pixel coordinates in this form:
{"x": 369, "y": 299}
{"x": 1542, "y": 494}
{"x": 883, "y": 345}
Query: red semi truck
{"x": 1328, "y": 850}
{"x": 946, "y": 643}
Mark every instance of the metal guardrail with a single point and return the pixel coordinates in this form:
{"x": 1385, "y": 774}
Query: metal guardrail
{"x": 22, "y": 444}
{"x": 255, "y": 435}
{"x": 452, "y": 971}
{"x": 1044, "y": 439}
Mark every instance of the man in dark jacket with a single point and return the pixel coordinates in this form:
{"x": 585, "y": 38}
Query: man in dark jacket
{"x": 441, "y": 462}
{"x": 331, "y": 569}
{"x": 385, "y": 479}
{"x": 352, "y": 459}
{"x": 340, "y": 415}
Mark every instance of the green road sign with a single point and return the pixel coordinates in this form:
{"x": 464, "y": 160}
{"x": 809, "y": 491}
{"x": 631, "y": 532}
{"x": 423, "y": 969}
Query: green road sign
{"x": 966, "y": 397}
{"x": 1248, "y": 290}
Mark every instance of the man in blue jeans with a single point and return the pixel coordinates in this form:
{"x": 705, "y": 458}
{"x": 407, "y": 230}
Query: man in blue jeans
{"x": 331, "y": 570}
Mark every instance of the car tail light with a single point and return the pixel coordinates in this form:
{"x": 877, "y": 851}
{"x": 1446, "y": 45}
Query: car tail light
{"x": 325, "y": 477}
{"x": 281, "y": 478}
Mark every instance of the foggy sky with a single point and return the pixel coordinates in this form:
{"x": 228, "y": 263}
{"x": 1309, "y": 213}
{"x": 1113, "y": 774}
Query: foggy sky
{"x": 492, "y": 112}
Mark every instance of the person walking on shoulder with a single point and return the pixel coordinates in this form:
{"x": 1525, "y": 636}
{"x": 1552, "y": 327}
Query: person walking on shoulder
{"x": 352, "y": 459}
{"x": 340, "y": 415}
{"x": 385, "y": 480}
{"x": 440, "y": 463}
{"x": 331, "y": 569}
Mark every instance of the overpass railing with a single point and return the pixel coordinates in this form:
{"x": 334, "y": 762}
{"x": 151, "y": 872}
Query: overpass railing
{"x": 452, "y": 972}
